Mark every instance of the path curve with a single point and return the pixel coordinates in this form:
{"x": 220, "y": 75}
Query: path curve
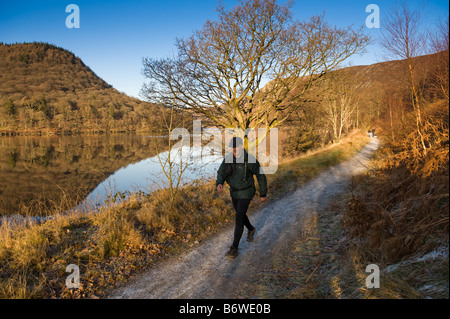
{"x": 204, "y": 272}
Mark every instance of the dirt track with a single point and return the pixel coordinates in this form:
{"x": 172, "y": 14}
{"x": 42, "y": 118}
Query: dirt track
{"x": 205, "y": 272}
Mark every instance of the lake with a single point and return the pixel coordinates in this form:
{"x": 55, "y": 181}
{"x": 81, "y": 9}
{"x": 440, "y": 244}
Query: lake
{"x": 63, "y": 172}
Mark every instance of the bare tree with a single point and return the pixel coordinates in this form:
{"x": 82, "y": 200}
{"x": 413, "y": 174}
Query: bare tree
{"x": 219, "y": 71}
{"x": 339, "y": 100}
{"x": 175, "y": 161}
{"x": 403, "y": 37}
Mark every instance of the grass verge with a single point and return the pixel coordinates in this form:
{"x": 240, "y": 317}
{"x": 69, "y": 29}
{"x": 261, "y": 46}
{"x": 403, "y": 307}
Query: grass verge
{"x": 325, "y": 263}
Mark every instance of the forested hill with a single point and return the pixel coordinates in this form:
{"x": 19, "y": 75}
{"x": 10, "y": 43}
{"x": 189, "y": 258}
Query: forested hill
{"x": 47, "y": 89}
{"x": 365, "y": 97}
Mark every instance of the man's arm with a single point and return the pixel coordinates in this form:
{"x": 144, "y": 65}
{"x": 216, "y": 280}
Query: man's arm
{"x": 220, "y": 177}
{"x": 262, "y": 180}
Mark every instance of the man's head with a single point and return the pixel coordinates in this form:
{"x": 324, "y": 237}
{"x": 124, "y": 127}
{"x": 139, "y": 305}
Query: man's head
{"x": 237, "y": 145}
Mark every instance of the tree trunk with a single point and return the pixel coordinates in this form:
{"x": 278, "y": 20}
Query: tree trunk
{"x": 416, "y": 106}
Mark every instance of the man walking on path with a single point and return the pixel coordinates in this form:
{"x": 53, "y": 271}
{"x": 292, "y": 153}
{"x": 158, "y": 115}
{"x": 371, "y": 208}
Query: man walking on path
{"x": 237, "y": 170}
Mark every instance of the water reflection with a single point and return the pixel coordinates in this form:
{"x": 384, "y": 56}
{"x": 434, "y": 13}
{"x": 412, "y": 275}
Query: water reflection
{"x": 148, "y": 175}
{"x": 41, "y": 172}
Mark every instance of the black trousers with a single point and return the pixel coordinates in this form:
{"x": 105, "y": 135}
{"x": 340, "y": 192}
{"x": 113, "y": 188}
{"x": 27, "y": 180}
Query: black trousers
{"x": 241, "y": 206}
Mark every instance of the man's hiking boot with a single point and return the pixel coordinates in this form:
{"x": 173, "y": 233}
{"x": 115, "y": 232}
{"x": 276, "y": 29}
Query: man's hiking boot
{"x": 251, "y": 234}
{"x": 232, "y": 253}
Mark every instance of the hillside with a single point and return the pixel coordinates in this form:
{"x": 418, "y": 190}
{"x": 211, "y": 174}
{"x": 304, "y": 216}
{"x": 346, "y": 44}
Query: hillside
{"x": 362, "y": 97}
{"x": 47, "y": 89}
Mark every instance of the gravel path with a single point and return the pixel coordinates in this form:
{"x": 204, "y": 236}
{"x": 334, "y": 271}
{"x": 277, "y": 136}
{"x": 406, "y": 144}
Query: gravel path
{"x": 205, "y": 272}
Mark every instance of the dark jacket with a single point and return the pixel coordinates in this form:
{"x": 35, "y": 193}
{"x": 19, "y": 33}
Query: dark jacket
{"x": 239, "y": 175}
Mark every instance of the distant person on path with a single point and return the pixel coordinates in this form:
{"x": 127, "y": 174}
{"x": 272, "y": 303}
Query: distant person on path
{"x": 238, "y": 171}
{"x": 373, "y": 132}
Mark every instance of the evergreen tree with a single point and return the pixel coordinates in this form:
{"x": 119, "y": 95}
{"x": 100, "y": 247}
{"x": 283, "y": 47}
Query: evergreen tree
{"x": 43, "y": 106}
{"x": 112, "y": 111}
{"x": 10, "y": 108}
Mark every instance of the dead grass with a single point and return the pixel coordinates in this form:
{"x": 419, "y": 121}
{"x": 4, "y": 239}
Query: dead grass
{"x": 396, "y": 217}
{"x": 402, "y": 215}
{"x": 326, "y": 263}
{"x": 108, "y": 246}
{"x": 292, "y": 173}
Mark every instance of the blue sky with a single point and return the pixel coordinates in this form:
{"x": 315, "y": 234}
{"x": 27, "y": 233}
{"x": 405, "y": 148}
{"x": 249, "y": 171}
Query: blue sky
{"x": 114, "y": 36}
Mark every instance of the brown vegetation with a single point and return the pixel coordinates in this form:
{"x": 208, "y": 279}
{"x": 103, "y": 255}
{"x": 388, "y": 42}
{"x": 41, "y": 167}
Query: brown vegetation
{"x": 399, "y": 211}
{"x": 108, "y": 246}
